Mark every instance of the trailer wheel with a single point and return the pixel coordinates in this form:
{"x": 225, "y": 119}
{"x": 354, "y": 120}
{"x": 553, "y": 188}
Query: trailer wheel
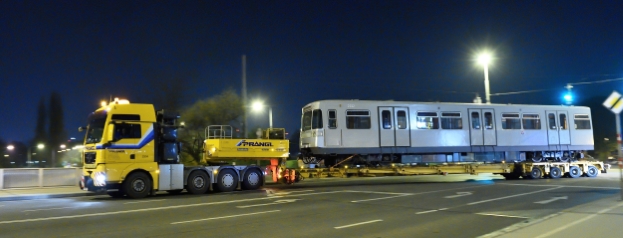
{"x": 137, "y": 185}
{"x": 535, "y": 173}
{"x": 197, "y": 182}
{"x": 554, "y": 172}
{"x": 252, "y": 179}
{"x": 227, "y": 180}
{"x": 574, "y": 172}
{"x": 591, "y": 171}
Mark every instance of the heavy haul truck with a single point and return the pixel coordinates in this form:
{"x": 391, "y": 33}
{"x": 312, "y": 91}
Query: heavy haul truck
{"x": 132, "y": 150}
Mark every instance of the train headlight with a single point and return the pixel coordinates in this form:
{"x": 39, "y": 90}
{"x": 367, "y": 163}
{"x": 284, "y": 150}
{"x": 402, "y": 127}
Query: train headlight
{"x": 99, "y": 180}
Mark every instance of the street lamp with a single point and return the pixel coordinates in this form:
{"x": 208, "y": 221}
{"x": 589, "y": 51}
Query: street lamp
{"x": 29, "y": 155}
{"x": 485, "y": 59}
{"x": 257, "y": 106}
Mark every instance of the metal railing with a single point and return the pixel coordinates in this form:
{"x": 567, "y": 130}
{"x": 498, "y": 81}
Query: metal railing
{"x": 39, "y": 177}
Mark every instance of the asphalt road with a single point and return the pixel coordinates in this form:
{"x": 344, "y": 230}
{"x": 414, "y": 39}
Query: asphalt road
{"x": 413, "y": 206}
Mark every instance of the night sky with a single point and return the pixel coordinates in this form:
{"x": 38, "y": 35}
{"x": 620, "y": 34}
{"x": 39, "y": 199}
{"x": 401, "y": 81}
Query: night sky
{"x": 299, "y": 52}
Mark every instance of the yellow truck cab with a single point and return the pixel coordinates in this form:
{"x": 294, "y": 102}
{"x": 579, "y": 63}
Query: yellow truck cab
{"x": 132, "y": 150}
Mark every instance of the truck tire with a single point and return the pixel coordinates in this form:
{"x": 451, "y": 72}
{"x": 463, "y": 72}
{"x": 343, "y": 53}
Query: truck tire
{"x": 535, "y": 173}
{"x": 137, "y": 185}
{"x": 574, "y": 172}
{"x": 591, "y": 171}
{"x": 554, "y": 172}
{"x": 252, "y": 179}
{"x": 198, "y": 182}
{"x": 227, "y": 181}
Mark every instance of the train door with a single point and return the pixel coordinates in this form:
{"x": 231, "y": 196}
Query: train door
{"x": 394, "y": 126}
{"x": 332, "y": 134}
{"x": 558, "y": 128}
{"x": 482, "y": 127}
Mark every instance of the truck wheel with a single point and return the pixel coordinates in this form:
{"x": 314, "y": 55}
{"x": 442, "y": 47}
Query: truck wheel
{"x": 574, "y": 171}
{"x": 591, "y": 171}
{"x": 198, "y": 182}
{"x": 252, "y": 179}
{"x": 534, "y": 174}
{"x": 227, "y": 180}
{"x": 554, "y": 172}
{"x": 115, "y": 194}
{"x": 137, "y": 185}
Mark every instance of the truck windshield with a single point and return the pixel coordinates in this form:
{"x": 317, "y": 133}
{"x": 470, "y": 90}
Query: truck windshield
{"x": 95, "y": 127}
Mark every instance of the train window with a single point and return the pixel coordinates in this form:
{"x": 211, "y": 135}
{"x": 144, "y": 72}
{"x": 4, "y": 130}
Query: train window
{"x": 451, "y": 120}
{"x": 386, "y": 119}
{"x": 427, "y": 120}
{"x": 475, "y": 120}
{"x": 358, "y": 119}
{"x": 332, "y": 119}
{"x": 531, "y": 121}
{"x": 551, "y": 121}
{"x": 511, "y": 121}
{"x": 317, "y": 119}
{"x": 563, "y": 121}
{"x": 488, "y": 120}
{"x": 306, "y": 120}
{"x": 401, "y": 119}
{"x": 582, "y": 122}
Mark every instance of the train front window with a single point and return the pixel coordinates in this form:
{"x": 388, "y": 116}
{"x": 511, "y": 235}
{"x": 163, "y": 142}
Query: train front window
{"x": 95, "y": 127}
{"x": 306, "y": 120}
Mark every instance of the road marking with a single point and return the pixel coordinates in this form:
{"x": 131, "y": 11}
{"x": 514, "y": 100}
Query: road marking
{"x": 564, "y": 186}
{"x": 499, "y": 215}
{"x": 424, "y": 212}
{"x": 157, "y": 200}
{"x": 551, "y": 232}
{"x": 286, "y": 193}
{"x": 552, "y": 199}
{"x": 46, "y": 209}
{"x": 356, "y": 224}
{"x": 372, "y": 199}
{"x": 390, "y": 193}
{"x": 135, "y": 210}
{"x": 459, "y": 194}
{"x": 516, "y": 195}
{"x": 273, "y": 203}
{"x": 215, "y": 218}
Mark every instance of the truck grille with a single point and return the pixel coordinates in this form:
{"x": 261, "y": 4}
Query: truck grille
{"x": 89, "y": 157}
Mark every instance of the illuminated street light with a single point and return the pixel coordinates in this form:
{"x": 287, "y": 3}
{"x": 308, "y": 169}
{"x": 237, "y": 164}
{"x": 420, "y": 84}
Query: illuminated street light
{"x": 257, "y": 106}
{"x": 10, "y": 147}
{"x": 485, "y": 59}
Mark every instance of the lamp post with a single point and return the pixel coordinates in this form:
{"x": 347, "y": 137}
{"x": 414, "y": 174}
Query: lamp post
{"x": 257, "y": 106}
{"x": 29, "y": 155}
{"x": 485, "y": 59}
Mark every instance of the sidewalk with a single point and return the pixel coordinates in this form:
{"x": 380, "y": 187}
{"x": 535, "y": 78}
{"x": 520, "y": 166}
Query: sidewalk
{"x": 41, "y": 193}
{"x": 601, "y": 218}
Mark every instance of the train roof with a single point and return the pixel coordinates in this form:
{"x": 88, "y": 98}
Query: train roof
{"x": 392, "y": 102}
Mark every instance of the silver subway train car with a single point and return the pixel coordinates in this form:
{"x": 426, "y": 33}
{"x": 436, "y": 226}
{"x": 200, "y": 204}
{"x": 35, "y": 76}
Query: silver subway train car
{"x": 379, "y": 132}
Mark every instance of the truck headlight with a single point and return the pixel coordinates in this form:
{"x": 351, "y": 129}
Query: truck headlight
{"x": 99, "y": 179}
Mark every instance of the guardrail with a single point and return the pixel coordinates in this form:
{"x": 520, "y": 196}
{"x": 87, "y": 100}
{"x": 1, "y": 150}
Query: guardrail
{"x": 38, "y": 177}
